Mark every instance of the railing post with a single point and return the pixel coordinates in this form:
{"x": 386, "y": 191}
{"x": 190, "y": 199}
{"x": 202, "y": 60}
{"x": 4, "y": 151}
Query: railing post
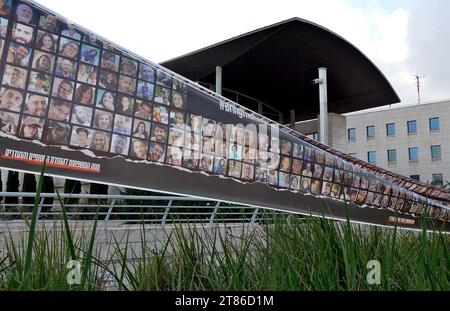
{"x": 40, "y": 208}
{"x": 108, "y": 215}
{"x": 213, "y": 214}
{"x": 166, "y": 214}
{"x": 253, "y": 220}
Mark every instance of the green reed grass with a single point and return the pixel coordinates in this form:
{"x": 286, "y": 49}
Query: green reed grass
{"x": 286, "y": 252}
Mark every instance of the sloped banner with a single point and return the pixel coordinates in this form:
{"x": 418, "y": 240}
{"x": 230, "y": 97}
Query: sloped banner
{"x": 100, "y": 113}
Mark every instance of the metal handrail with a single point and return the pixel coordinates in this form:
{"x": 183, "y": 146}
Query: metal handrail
{"x": 138, "y": 207}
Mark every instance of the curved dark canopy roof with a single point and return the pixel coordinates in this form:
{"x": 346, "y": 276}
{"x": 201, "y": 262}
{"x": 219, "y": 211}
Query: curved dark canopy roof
{"x": 276, "y": 64}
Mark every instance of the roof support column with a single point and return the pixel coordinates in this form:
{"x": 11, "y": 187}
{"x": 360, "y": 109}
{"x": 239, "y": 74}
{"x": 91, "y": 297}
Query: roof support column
{"x": 292, "y": 119}
{"x": 219, "y": 80}
{"x": 323, "y": 117}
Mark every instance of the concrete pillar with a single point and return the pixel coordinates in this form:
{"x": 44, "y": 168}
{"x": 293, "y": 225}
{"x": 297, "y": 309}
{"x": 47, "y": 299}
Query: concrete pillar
{"x": 292, "y": 119}
{"x": 323, "y": 120}
{"x": 219, "y": 80}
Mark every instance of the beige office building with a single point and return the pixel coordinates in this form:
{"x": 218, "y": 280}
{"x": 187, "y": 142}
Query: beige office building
{"x": 412, "y": 140}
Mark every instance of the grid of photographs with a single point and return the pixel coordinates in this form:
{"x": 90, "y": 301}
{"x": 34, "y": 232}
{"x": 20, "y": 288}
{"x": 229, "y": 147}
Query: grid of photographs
{"x": 62, "y": 86}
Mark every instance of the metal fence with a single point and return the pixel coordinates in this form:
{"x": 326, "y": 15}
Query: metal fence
{"x": 129, "y": 208}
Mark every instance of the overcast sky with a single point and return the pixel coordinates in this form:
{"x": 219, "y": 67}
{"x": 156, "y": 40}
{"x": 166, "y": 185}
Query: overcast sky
{"x": 402, "y": 37}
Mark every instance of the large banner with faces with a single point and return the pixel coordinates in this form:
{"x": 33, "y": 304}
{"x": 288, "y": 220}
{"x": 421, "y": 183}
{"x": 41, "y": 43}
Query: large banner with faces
{"x": 96, "y": 112}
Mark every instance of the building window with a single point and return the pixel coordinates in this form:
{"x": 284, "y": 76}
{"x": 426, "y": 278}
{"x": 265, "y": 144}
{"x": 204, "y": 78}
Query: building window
{"x": 352, "y": 134}
{"x": 436, "y": 152}
{"x": 390, "y": 129}
{"x": 437, "y": 180}
{"x": 370, "y": 132}
{"x": 372, "y": 157}
{"x": 413, "y": 154}
{"x": 412, "y": 127}
{"x": 434, "y": 124}
{"x": 415, "y": 177}
{"x": 392, "y": 155}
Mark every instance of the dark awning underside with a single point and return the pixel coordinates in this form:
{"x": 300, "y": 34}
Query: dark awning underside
{"x": 276, "y": 64}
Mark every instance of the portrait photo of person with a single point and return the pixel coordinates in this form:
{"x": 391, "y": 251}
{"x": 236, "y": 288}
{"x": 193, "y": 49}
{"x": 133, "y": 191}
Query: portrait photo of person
{"x": 15, "y": 77}
{"x": 3, "y": 27}
{"x": 125, "y": 104}
{"x": 69, "y": 48}
{"x": 139, "y": 149}
{"x": 5, "y": 7}
{"x": 69, "y": 31}
{"x": 143, "y": 109}
{"x": 249, "y": 155}
{"x": 57, "y": 133}
{"x": 234, "y": 168}
{"x": 177, "y": 119}
{"x": 106, "y": 100}
{"x": 235, "y": 152}
{"x": 36, "y": 105}
{"x": 220, "y": 166}
{"x": 103, "y": 120}
{"x": 84, "y": 94}
{"x": 295, "y": 182}
{"x": 31, "y": 127}
{"x": 85, "y": 73}
{"x": 162, "y": 95}
{"x": 163, "y": 79}
{"x": 316, "y": 186}
{"x": 193, "y": 123}
{"x": 11, "y": 99}
{"x": 141, "y": 129}
{"x": 120, "y": 144}
{"x": 81, "y": 115}
{"x": 9, "y": 122}
{"x": 43, "y": 61}
{"x": 159, "y": 133}
{"x": 206, "y": 163}
{"x": 335, "y": 191}
{"x": 307, "y": 169}
{"x": 326, "y": 188}
{"x": 22, "y": 33}
{"x": 128, "y": 66}
{"x": 328, "y": 174}
{"x": 309, "y": 154}
{"x": 160, "y": 114}
{"x": 92, "y": 40}
{"x": 329, "y": 159}
{"x": 296, "y": 166}
{"x": 25, "y": 14}
{"x": 108, "y": 80}
{"x": 81, "y": 137}
{"x": 174, "y": 156}
{"x": 176, "y": 137}
{"x": 274, "y": 145}
{"x": 157, "y": 152}
{"x": 209, "y": 127}
{"x": 18, "y": 54}
{"x": 127, "y": 85}
{"x": 90, "y": 55}
{"x": 59, "y": 110}
{"x": 261, "y": 175}
{"x": 247, "y": 171}
{"x": 320, "y": 156}
{"x": 318, "y": 171}
{"x": 272, "y": 177}
{"x": 283, "y": 180}
{"x": 192, "y": 141}
{"x": 122, "y": 124}
{"x": 39, "y": 83}
{"x": 178, "y": 100}
{"x": 145, "y": 90}
{"x": 65, "y": 68}
{"x": 285, "y": 164}
{"x": 337, "y": 176}
{"x": 100, "y": 141}
{"x": 286, "y": 147}
{"x": 297, "y": 150}
{"x": 305, "y": 184}
{"x": 147, "y": 73}
{"x": 110, "y": 61}
{"x": 191, "y": 159}
{"x": 179, "y": 86}
{"x": 63, "y": 89}
{"x": 49, "y": 23}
